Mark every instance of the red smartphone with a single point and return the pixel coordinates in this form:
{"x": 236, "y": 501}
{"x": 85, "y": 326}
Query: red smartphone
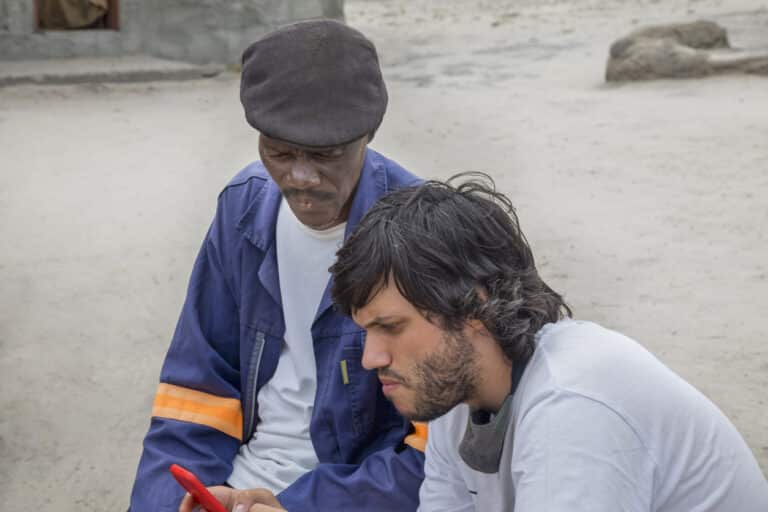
{"x": 198, "y": 491}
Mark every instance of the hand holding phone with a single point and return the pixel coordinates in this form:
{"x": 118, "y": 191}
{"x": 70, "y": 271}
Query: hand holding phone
{"x": 195, "y": 488}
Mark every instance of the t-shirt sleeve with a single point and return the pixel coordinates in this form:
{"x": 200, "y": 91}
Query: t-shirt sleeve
{"x": 573, "y": 453}
{"x": 443, "y": 489}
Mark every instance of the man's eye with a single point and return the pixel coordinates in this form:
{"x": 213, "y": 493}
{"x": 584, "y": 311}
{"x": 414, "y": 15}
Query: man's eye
{"x": 280, "y": 156}
{"x": 330, "y": 155}
{"x": 390, "y": 328}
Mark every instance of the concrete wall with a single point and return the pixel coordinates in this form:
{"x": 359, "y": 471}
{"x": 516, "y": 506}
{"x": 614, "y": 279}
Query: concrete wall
{"x": 21, "y": 40}
{"x": 216, "y": 30}
{"x": 194, "y": 30}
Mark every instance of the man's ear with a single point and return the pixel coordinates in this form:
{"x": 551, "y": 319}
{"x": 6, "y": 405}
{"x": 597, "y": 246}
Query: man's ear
{"x": 475, "y": 327}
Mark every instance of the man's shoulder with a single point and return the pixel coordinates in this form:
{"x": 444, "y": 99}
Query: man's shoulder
{"x": 577, "y": 352}
{"x": 246, "y": 203}
{"x": 448, "y": 430}
{"x": 397, "y": 176}
{"x": 244, "y": 190}
{"x": 250, "y": 179}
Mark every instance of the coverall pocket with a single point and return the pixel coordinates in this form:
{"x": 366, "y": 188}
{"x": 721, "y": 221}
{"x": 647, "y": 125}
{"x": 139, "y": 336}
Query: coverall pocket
{"x": 371, "y": 411}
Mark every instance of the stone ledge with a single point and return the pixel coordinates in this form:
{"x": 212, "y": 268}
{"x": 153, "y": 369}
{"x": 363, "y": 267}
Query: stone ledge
{"x": 137, "y": 68}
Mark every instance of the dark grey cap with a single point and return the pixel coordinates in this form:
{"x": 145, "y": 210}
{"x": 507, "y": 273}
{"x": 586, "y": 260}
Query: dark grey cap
{"x": 313, "y": 83}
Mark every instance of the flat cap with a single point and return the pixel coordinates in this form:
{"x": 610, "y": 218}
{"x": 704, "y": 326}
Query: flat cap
{"x": 313, "y": 83}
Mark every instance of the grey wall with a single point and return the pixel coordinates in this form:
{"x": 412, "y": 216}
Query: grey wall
{"x": 194, "y": 30}
{"x": 20, "y": 40}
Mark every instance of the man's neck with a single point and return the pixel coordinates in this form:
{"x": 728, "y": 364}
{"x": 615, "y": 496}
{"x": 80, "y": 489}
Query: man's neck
{"x": 495, "y": 379}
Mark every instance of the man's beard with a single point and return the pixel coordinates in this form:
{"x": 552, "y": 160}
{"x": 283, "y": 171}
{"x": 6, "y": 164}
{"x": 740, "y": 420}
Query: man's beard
{"x": 445, "y": 379}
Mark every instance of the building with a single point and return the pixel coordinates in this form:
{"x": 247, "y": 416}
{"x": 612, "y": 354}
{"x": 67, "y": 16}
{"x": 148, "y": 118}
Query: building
{"x": 199, "y": 31}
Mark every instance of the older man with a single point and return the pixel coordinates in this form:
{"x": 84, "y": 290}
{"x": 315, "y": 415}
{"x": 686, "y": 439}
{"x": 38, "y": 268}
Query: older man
{"x": 262, "y": 385}
{"x": 533, "y": 411}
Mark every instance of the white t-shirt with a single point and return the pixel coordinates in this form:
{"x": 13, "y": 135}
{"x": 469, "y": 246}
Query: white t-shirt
{"x": 281, "y": 449}
{"x": 598, "y": 424}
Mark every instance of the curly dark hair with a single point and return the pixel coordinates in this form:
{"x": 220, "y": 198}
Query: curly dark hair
{"x": 456, "y": 253}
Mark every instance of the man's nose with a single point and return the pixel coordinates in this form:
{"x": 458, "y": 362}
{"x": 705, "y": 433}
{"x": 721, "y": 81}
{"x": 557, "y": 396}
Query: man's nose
{"x": 302, "y": 174}
{"x": 375, "y": 354}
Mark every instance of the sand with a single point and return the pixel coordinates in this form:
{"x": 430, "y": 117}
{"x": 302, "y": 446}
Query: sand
{"x": 646, "y": 205}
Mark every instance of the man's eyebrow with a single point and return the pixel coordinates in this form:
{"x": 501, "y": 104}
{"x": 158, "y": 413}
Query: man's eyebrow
{"x": 326, "y": 151}
{"x": 382, "y": 320}
{"x": 274, "y": 145}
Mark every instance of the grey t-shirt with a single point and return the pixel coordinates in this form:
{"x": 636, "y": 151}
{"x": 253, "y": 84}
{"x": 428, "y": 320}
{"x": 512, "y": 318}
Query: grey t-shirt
{"x": 598, "y": 424}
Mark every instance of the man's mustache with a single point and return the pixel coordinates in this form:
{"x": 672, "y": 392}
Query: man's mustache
{"x": 392, "y": 375}
{"x": 315, "y": 195}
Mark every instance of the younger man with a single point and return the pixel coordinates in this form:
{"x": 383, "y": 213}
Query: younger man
{"x": 533, "y": 411}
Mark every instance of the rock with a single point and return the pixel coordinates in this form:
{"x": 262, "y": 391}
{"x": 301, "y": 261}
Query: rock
{"x": 755, "y": 63}
{"x": 699, "y": 34}
{"x": 682, "y": 50}
{"x": 647, "y": 59}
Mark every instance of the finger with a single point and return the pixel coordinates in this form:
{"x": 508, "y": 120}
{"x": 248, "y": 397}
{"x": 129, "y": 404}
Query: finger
{"x": 224, "y": 495}
{"x": 251, "y": 497}
{"x": 187, "y": 503}
{"x": 265, "y": 497}
{"x": 260, "y": 507}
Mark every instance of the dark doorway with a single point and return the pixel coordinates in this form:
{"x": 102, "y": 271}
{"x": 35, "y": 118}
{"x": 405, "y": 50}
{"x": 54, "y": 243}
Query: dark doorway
{"x": 77, "y": 14}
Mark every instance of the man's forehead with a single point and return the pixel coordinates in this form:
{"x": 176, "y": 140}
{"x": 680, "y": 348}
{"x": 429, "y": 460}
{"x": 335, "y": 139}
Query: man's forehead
{"x": 363, "y": 315}
{"x": 387, "y": 302}
{"x": 265, "y": 139}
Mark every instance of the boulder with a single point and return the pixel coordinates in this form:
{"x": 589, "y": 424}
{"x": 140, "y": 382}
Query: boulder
{"x": 681, "y": 50}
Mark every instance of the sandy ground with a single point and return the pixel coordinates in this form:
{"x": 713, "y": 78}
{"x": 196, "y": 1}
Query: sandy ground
{"x": 645, "y": 203}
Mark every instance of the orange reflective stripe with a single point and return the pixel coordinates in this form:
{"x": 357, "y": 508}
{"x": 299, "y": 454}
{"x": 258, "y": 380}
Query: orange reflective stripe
{"x": 418, "y": 439}
{"x": 184, "y": 404}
